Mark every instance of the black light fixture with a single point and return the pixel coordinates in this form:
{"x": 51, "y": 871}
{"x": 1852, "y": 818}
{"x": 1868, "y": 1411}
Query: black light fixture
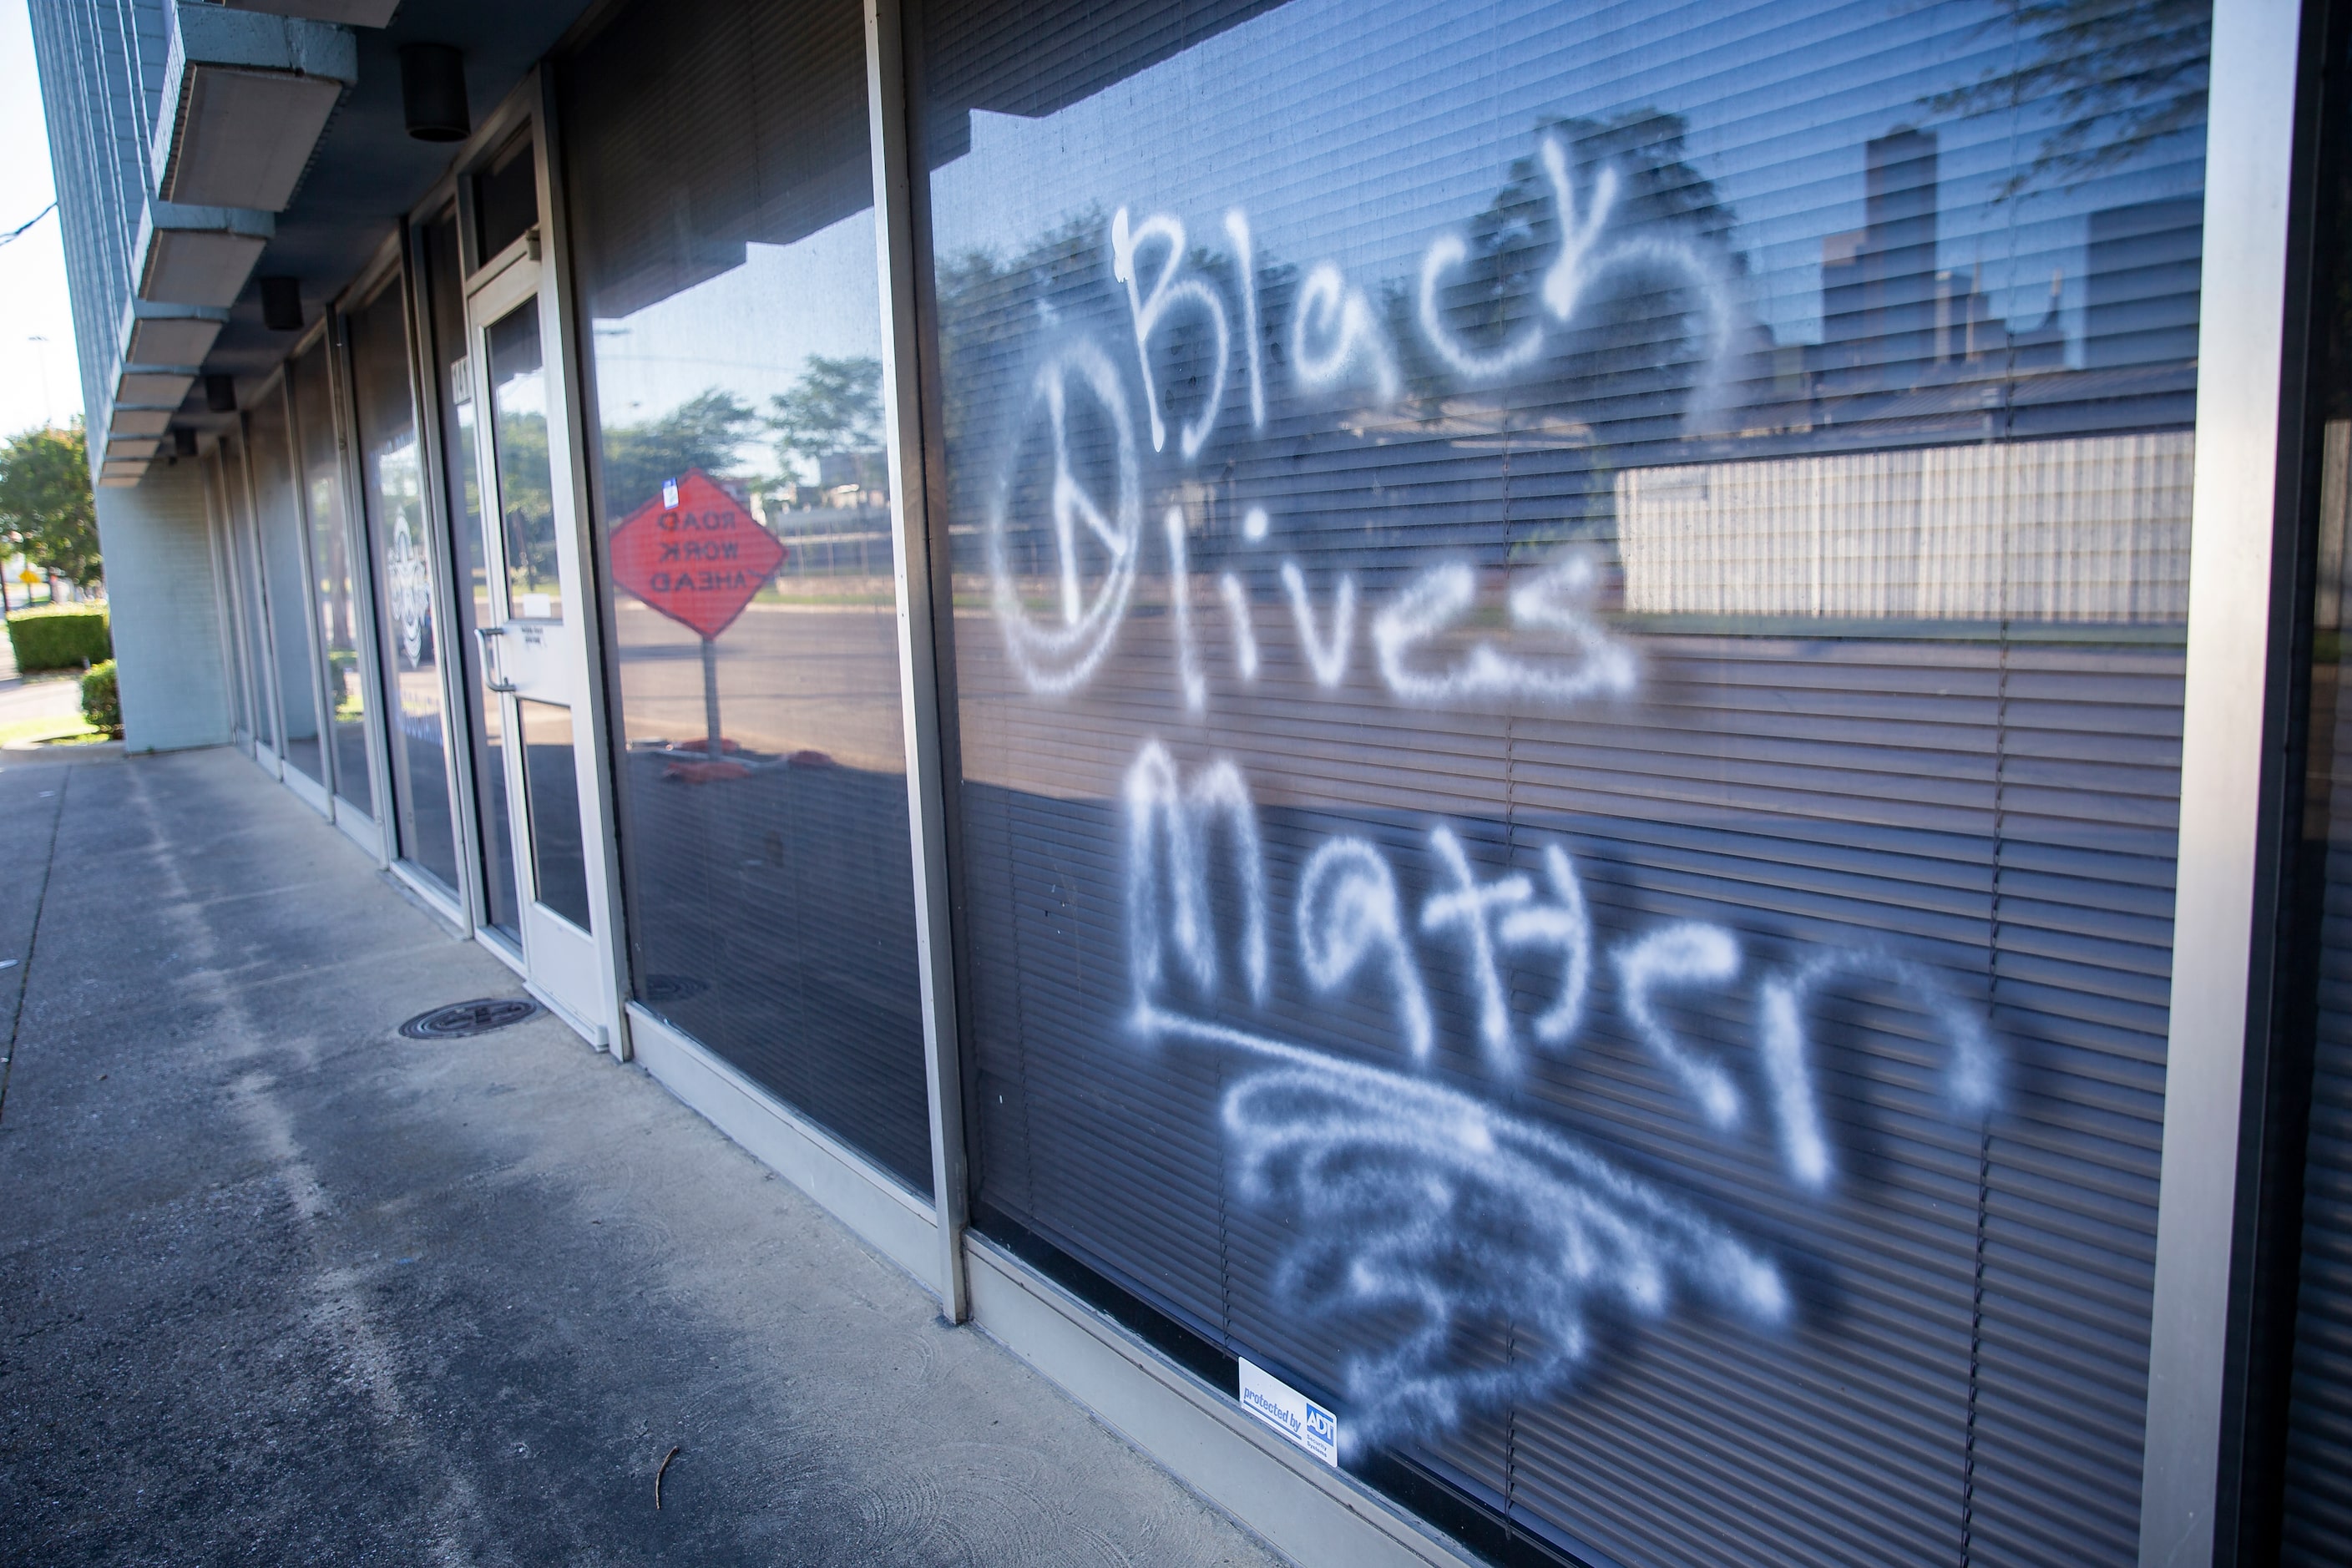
{"x": 433, "y": 92}
{"x": 220, "y": 394}
{"x": 281, "y": 304}
{"x": 184, "y": 442}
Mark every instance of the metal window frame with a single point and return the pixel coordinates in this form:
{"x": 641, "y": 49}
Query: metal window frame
{"x": 568, "y": 360}
{"x": 915, "y": 572}
{"x": 389, "y": 269}
{"x": 371, "y": 832}
{"x": 2230, "y": 741}
{"x": 342, "y": 394}
{"x": 317, "y": 794}
{"x": 232, "y": 636}
{"x": 235, "y": 469}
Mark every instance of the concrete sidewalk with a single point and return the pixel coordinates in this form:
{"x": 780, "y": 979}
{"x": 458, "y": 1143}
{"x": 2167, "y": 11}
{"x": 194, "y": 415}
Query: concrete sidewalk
{"x": 276, "y": 1286}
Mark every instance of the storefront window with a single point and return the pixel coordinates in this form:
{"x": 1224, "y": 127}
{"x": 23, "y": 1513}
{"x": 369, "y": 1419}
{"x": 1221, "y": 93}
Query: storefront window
{"x": 330, "y": 559}
{"x": 393, "y": 483}
{"x": 236, "y": 511}
{"x": 1567, "y": 650}
{"x": 728, "y": 260}
{"x": 270, "y": 446}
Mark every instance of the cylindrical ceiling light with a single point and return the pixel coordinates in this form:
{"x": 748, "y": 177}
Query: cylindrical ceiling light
{"x": 281, "y": 304}
{"x": 433, "y": 92}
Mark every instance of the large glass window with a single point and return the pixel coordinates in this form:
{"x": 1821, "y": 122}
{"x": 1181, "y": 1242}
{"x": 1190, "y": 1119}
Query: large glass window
{"x": 726, "y": 244}
{"x": 270, "y": 446}
{"x": 331, "y": 560}
{"x": 392, "y": 480}
{"x": 232, "y": 599}
{"x": 1568, "y": 642}
{"x": 2296, "y": 1507}
{"x": 253, "y": 613}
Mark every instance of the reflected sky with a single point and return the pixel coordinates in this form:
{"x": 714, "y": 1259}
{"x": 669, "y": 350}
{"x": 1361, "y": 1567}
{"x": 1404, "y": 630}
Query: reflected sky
{"x": 748, "y": 331}
{"x": 1779, "y": 101}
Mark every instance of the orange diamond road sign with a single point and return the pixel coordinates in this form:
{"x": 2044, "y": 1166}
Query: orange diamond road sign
{"x": 694, "y": 553}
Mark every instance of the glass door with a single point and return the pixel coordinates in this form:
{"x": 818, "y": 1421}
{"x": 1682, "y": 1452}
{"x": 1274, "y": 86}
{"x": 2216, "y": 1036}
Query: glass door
{"x": 534, "y": 658}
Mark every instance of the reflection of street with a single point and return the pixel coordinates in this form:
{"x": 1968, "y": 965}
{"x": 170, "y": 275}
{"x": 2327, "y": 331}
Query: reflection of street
{"x": 793, "y": 676}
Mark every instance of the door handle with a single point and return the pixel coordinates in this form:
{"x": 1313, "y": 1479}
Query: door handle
{"x": 493, "y": 668}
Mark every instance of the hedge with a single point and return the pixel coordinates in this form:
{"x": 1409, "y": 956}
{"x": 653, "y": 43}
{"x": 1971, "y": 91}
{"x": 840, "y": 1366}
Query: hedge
{"x": 102, "y": 704}
{"x": 63, "y": 637}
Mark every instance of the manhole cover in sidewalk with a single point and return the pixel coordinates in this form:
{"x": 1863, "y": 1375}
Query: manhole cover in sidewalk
{"x": 461, "y": 1019}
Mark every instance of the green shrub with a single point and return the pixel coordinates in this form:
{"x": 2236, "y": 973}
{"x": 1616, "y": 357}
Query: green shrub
{"x": 60, "y": 636}
{"x": 102, "y": 704}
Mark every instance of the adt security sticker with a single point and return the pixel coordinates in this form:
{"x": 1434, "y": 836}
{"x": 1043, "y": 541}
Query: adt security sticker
{"x": 1290, "y": 1412}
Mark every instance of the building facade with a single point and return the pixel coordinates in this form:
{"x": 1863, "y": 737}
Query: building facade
{"x": 1554, "y": 781}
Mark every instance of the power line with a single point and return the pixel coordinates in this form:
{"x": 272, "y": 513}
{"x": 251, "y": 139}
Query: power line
{"x": 17, "y": 232}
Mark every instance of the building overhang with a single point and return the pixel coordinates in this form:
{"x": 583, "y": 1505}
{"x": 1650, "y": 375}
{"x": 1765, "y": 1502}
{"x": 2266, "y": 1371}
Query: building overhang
{"x": 131, "y": 448}
{"x": 349, "y": 13}
{"x": 136, "y": 423}
{"x": 198, "y": 255}
{"x": 151, "y": 387}
{"x": 165, "y": 335}
{"x": 245, "y": 97}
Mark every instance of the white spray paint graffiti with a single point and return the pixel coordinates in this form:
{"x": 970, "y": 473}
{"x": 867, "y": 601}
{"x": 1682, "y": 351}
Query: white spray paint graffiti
{"x": 1336, "y": 340}
{"x": 1504, "y": 913}
{"x": 1347, "y": 914}
{"x": 1583, "y": 260}
{"x": 1688, "y": 953}
{"x": 1971, "y": 1080}
{"x": 1554, "y": 600}
{"x": 1325, "y": 656}
{"x": 1423, "y": 1216}
{"x": 1168, "y": 832}
{"x": 1180, "y": 604}
{"x": 1437, "y": 1216}
{"x": 1422, "y": 1213}
{"x": 1057, "y": 660}
{"x": 1564, "y": 926}
{"x": 1338, "y": 343}
{"x": 1148, "y": 309}
{"x": 1237, "y": 610}
{"x": 1237, "y": 229}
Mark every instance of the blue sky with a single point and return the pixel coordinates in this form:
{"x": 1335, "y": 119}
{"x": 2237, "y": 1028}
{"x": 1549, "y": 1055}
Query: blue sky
{"x": 40, "y": 381}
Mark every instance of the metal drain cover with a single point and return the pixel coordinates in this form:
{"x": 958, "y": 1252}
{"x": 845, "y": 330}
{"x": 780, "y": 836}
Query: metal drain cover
{"x": 459, "y": 1020}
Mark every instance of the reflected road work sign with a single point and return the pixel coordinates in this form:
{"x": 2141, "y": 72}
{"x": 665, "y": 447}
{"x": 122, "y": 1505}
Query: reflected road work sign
{"x": 694, "y": 553}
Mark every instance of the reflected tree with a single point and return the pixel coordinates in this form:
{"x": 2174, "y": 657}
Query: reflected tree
{"x": 831, "y": 421}
{"x": 707, "y": 431}
{"x": 2120, "y": 73}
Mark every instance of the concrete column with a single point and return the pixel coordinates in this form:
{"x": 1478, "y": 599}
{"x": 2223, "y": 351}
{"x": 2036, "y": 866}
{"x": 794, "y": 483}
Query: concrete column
{"x": 166, "y": 610}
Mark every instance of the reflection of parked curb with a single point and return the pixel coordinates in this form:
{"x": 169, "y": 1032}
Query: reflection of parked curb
{"x": 698, "y": 770}
{"x": 690, "y": 762}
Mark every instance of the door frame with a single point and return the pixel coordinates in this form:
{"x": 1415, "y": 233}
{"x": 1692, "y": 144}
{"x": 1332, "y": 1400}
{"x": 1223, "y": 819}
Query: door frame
{"x": 559, "y": 956}
{"x": 528, "y": 107}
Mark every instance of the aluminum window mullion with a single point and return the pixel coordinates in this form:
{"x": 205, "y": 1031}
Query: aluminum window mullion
{"x": 919, "y": 671}
{"x": 350, "y": 474}
{"x": 2241, "y": 347}
{"x": 322, "y": 713}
